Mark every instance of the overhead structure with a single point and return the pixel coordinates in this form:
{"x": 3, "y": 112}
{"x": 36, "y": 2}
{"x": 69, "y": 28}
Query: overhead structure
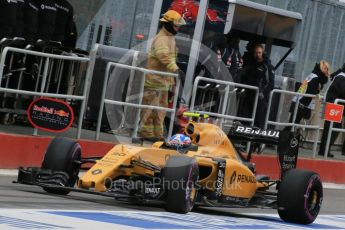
{"x": 248, "y": 20}
{"x": 262, "y": 23}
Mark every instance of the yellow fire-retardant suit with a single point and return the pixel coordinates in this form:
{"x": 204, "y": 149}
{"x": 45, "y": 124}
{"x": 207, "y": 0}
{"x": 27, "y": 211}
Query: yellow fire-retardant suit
{"x": 162, "y": 57}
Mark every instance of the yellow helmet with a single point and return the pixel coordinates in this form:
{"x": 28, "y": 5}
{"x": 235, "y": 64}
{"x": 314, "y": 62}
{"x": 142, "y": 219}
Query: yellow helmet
{"x": 174, "y": 17}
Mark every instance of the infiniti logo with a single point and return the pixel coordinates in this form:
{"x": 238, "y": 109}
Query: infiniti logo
{"x": 233, "y": 177}
{"x": 293, "y": 142}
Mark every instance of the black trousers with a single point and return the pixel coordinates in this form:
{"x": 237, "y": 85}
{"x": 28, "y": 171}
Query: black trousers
{"x": 302, "y": 112}
{"x": 333, "y": 137}
{"x": 246, "y": 109}
{"x": 246, "y": 105}
{"x": 261, "y": 112}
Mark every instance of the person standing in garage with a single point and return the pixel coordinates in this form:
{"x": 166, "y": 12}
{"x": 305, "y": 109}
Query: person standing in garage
{"x": 260, "y": 74}
{"x": 162, "y": 57}
{"x": 334, "y": 91}
{"x": 313, "y": 84}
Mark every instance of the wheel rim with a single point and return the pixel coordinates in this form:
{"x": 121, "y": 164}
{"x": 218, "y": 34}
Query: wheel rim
{"x": 191, "y": 190}
{"x": 313, "y": 198}
{"x": 313, "y": 202}
{"x": 76, "y": 155}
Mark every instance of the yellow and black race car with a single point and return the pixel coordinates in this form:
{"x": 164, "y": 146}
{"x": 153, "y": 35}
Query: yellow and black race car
{"x": 209, "y": 171}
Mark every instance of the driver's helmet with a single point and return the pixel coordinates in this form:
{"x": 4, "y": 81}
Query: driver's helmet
{"x": 180, "y": 140}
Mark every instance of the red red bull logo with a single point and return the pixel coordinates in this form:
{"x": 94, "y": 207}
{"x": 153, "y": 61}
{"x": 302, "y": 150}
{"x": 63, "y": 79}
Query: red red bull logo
{"x": 189, "y": 10}
{"x": 61, "y": 113}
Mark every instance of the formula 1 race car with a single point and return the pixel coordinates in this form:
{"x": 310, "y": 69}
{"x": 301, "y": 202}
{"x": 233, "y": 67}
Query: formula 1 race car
{"x": 199, "y": 168}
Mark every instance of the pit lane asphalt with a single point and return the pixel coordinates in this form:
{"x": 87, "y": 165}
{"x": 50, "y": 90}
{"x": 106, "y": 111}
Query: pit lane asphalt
{"x": 17, "y": 196}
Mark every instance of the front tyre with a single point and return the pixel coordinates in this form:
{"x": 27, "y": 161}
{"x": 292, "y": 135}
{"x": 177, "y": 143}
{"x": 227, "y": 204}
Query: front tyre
{"x": 61, "y": 156}
{"x": 180, "y": 178}
{"x": 300, "y": 196}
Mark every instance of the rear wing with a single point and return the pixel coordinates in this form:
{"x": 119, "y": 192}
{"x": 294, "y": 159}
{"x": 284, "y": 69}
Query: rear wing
{"x": 253, "y": 134}
{"x": 287, "y": 142}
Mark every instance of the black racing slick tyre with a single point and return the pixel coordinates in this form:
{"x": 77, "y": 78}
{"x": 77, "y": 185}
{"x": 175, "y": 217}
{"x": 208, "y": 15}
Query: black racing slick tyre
{"x": 61, "y": 156}
{"x": 300, "y": 196}
{"x": 180, "y": 177}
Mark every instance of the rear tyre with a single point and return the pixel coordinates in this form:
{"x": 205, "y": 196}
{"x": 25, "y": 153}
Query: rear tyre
{"x": 61, "y": 156}
{"x": 180, "y": 176}
{"x": 300, "y": 196}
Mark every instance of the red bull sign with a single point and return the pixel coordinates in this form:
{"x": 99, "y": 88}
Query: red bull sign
{"x": 50, "y": 115}
{"x": 215, "y": 16}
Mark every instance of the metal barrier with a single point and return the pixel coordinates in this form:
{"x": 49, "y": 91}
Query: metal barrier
{"x": 331, "y": 129}
{"x": 41, "y": 93}
{"x": 267, "y": 121}
{"x": 139, "y": 106}
{"x": 131, "y": 80}
{"x": 226, "y": 99}
{"x": 279, "y": 103}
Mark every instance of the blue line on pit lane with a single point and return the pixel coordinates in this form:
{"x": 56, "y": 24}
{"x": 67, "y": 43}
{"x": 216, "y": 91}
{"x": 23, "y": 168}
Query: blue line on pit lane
{"x": 117, "y": 219}
{"x": 176, "y": 221}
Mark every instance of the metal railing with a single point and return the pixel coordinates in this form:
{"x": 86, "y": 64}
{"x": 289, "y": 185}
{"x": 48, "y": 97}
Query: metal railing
{"x": 131, "y": 80}
{"x": 268, "y": 122}
{"x": 139, "y": 106}
{"x": 41, "y": 93}
{"x": 227, "y": 91}
{"x": 331, "y": 129}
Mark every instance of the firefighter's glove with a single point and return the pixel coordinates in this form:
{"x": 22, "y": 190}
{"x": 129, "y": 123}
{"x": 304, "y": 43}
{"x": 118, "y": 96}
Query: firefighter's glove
{"x": 181, "y": 75}
{"x": 171, "y": 95}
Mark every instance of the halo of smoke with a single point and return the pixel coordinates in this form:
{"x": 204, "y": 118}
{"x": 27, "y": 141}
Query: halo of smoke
{"x": 124, "y": 116}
